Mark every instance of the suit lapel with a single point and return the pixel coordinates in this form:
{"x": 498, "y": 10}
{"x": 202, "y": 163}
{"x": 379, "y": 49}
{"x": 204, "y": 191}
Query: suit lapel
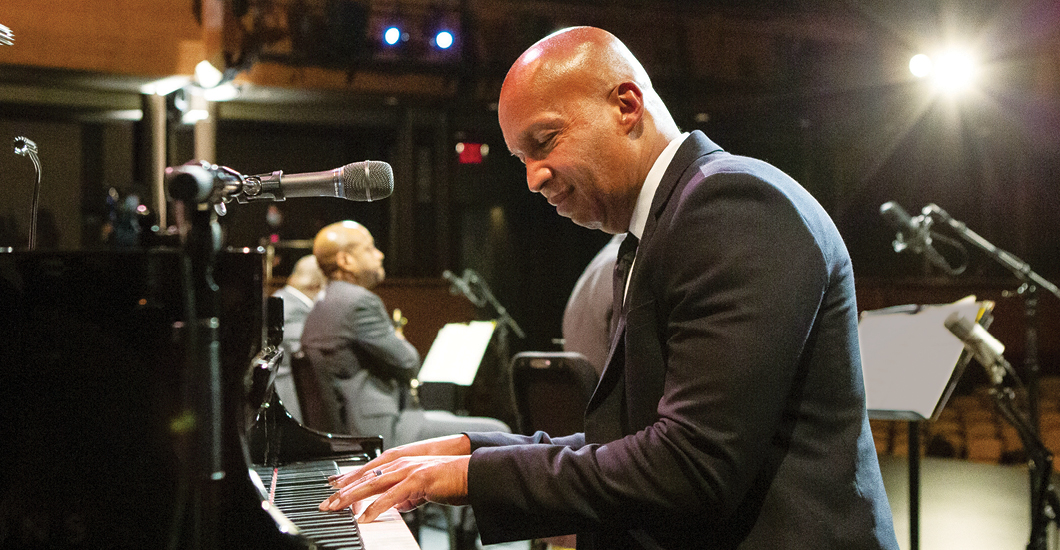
{"x": 695, "y": 146}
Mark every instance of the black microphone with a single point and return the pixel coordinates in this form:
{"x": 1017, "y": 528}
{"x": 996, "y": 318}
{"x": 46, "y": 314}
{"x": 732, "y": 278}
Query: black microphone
{"x": 201, "y": 182}
{"x": 910, "y": 233}
{"x": 359, "y": 181}
{"x": 914, "y": 234}
{"x": 459, "y": 284}
{"x": 986, "y": 349}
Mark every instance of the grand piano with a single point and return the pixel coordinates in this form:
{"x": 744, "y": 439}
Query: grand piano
{"x": 113, "y": 435}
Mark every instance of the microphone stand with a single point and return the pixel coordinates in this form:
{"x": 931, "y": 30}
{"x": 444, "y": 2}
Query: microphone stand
{"x": 198, "y": 197}
{"x": 1045, "y": 501}
{"x": 1041, "y": 460}
{"x": 26, "y": 147}
{"x": 1031, "y": 281}
{"x": 477, "y": 291}
{"x": 503, "y": 317}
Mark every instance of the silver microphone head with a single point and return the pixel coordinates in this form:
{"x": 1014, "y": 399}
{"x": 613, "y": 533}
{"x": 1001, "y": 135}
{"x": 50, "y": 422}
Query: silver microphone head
{"x": 371, "y": 179}
{"x": 25, "y": 146}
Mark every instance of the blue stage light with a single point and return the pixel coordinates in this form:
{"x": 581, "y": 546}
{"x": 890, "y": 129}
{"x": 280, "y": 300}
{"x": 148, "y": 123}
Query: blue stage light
{"x": 392, "y": 35}
{"x": 444, "y": 39}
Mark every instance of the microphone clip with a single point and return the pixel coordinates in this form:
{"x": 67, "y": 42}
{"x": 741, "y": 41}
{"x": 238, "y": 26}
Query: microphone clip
{"x": 200, "y": 182}
{"x": 261, "y": 187}
{"x": 919, "y": 241}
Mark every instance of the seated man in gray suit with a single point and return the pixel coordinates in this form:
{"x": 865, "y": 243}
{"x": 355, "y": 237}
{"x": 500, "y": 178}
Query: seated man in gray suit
{"x": 369, "y": 364}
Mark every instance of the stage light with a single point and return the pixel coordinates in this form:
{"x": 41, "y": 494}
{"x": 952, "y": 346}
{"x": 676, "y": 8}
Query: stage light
{"x": 955, "y": 71}
{"x": 443, "y": 39}
{"x": 206, "y": 75}
{"x": 920, "y": 65}
{"x": 392, "y": 35}
{"x": 951, "y": 71}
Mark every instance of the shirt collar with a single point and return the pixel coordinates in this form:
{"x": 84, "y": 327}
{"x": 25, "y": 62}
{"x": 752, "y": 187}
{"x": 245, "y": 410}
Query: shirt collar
{"x": 300, "y": 295}
{"x": 651, "y": 183}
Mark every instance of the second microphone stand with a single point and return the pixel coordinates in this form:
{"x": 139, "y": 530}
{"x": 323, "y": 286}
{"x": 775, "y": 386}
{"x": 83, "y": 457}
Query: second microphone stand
{"x": 1045, "y": 500}
{"x": 1031, "y": 282}
{"x": 1044, "y": 504}
{"x": 475, "y": 289}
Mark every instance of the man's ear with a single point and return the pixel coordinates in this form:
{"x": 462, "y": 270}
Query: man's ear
{"x": 629, "y": 99}
{"x": 345, "y": 261}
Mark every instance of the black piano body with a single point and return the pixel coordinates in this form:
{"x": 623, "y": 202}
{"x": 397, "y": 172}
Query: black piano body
{"x": 101, "y": 411}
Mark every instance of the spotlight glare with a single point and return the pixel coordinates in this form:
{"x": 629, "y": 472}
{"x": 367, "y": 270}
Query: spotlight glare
{"x": 920, "y": 65}
{"x": 206, "y": 75}
{"x": 392, "y": 35}
{"x": 955, "y": 71}
{"x": 444, "y": 39}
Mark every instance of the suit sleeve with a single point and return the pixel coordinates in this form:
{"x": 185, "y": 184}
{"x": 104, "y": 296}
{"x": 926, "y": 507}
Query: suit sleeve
{"x": 732, "y": 279}
{"x": 377, "y": 344}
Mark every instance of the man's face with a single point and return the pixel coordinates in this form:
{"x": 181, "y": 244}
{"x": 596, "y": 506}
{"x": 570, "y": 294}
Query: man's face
{"x": 572, "y": 148}
{"x": 366, "y": 261}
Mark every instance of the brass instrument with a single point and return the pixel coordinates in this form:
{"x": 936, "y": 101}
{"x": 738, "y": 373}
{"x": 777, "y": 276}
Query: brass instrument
{"x": 399, "y": 322}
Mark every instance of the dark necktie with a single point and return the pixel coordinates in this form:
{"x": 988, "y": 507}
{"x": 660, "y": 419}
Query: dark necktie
{"x": 626, "y": 252}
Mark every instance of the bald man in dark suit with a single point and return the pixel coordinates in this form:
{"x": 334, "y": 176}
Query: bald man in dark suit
{"x": 731, "y": 413}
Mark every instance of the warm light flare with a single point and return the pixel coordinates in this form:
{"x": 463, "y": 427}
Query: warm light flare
{"x": 920, "y": 65}
{"x": 951, "y": 71}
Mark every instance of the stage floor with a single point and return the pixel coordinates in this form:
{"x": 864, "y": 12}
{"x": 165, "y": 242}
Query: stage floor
{"x": 963, "y": 505}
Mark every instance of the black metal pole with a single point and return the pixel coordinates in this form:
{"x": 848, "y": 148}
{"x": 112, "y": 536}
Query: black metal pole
{"x": 914, "y": 485}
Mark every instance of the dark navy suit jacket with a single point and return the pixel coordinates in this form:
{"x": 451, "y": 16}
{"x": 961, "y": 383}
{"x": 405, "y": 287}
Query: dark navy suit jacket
{"x": 731, "y": 413}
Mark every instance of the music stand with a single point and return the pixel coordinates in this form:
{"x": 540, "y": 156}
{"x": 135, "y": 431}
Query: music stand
{"x": 911, "y": 364}
{"x": 453, "y": 362}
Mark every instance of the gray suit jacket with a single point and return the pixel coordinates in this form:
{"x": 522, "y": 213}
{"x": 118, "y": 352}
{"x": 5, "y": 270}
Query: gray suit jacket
{"x": 349, "y": 335}
{"x": 731, "y": 413}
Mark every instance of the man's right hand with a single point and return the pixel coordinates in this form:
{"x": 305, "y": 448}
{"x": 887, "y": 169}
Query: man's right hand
{"x": 406, "y": 477}
{"x": 446, "y": 445}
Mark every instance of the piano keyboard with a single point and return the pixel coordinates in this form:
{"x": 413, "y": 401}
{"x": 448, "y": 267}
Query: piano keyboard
{"x": 297, "y": 490}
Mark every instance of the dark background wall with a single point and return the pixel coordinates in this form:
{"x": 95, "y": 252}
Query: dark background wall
{"x": 820, "y": 89}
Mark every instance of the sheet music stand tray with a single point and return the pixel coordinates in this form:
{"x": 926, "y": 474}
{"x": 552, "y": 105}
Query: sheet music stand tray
{"x": 911, "y": 363}
{"x": 452, "y": 363}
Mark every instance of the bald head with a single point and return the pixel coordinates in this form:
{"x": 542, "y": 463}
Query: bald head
{"x": 346, "y": 252}
{"x": 580, "y": 111}
{"x": 307, "y": 276}
{"x": 586, "y": 58}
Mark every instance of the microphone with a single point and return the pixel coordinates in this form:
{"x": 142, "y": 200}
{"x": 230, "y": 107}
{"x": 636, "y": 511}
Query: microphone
{"x": 359, "y": 181}
{"x": 986, "y": 349}
{"x": 459, "y": 284}
{"x": 914, "y": 234}
{"x": 201, "y": 182}
{"x": 911, "y": 232}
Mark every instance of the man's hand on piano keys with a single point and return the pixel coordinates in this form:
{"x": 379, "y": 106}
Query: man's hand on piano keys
{"x": 406, "y": 477}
